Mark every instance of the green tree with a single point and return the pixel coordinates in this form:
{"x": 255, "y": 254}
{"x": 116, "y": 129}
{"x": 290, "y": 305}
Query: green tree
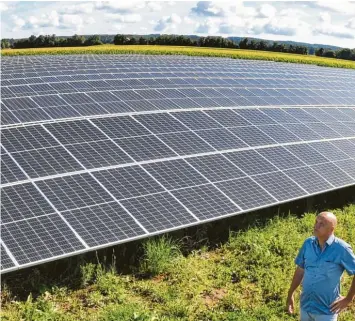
{"x": 329, "y": 54}
{"x": 319, "y": 52}
{"x": 119, "y": 40}
{"x": 5, "y": 43}
{"x": 93, "y": 41}
{"x": 243, "y": 44}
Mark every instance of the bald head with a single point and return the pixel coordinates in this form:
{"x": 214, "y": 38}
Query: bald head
{"x": 329, "y": 218}
{"x": 325, "y": 225}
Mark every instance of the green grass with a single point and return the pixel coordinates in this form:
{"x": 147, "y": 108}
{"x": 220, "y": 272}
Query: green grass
{"x": 245, "y": 278}
{"x": 190, "y": 51}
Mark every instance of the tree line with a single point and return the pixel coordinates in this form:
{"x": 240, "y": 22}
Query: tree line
{"x": 174, "y": 40}
{"x": 217, "y": 42}
{"x": 344, "y": 53}
{"x": 51, "y": 41}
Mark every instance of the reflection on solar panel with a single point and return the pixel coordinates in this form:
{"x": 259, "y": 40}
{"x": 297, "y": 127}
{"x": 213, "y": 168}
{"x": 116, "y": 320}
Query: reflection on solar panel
{"x": 100, "y": 150}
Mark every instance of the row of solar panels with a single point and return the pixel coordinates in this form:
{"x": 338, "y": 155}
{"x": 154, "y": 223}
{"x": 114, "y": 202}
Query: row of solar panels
{"x": 60, "y": 67}
{"x": 73, "y": 96}
{"x": 45, "y": 108}
{"x": 57, "y": 216}
{"x": 119, "y": 140}
{"x": 55, "y": 85}
{"x": 168, "y": 71}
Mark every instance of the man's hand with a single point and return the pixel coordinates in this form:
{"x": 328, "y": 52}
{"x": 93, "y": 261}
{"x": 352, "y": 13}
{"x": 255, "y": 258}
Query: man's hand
{"x": 290, "y": 304}
{"x": 340, "y": 304}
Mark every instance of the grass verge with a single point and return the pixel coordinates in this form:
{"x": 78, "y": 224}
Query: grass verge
{"x": 189, "y": 51}
{"x": 246, "y": 278}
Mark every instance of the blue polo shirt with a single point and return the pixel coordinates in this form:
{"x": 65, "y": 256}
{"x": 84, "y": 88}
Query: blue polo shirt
{"x": 323, "y": 271}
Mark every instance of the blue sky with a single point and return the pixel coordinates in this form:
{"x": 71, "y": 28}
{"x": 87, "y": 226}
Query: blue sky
{"x": 314, "y": 22}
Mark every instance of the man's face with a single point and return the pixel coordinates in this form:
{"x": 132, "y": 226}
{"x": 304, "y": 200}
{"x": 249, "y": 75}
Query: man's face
{"x": 322, "y": 227}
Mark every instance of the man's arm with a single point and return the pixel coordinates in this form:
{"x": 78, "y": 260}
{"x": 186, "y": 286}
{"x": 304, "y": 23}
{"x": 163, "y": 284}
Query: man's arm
{"x": 296, "y": 281}
{"x": 343, "y": 302}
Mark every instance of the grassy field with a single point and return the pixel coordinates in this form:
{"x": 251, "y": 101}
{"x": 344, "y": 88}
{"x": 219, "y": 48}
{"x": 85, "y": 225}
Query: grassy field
{"x": 245, "y": 278}
{"x": 190, "y": 51}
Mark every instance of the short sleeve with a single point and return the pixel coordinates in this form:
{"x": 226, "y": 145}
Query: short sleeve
{"x": 348, "y": 260}
{"x": 299, "y": 260}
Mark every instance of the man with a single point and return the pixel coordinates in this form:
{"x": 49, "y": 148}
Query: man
{"x": 321, "y": 262}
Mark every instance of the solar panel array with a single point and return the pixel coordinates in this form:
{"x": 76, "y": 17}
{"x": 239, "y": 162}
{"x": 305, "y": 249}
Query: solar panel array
{"x": 100, "y": 150}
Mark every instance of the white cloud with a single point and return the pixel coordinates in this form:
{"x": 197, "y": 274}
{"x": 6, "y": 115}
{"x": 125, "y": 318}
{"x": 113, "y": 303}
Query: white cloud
{"x": 90, "y": 21}
{"x": 344, "y": 7}
{"x": 267, "y": 11}
{"x": 208, "y": 26}
{"x": 118, "y": 26}
{"x": 223, "y": 9}
{"x": 82, "y": 8}
{"x": 17, "y": 22}
{"x": 120, "y": 6}
{"x": 53, "y": 19}
{"x": 262, "y": 20}
{"x": 71, "y": 21}
{"x": 285, "y": 26}
{"x": 167, "y": 23}
{"x": 334, "y": 31}
{"x": 325, "y": 17}
{"x": 44, "y": 21}
{"x": 124, "y": 18}
{"x": 154, "y": 6}
{"x": 188, "y": 20}
{"x": 3, "y": 7}
{"x": 350, "y": 24}
{"x": 210, "y": 9}
{"x": 328, "y": 29}
{"x": 292, "y": 12}
{"x": 203, "y": 27}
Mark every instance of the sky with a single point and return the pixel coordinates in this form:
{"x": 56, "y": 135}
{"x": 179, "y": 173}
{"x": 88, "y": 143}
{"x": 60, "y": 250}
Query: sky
{"x": 322, "y": 22}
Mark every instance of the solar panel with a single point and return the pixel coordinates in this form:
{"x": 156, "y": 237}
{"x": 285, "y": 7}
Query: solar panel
{"x": 46, "y": 162}
{"x": 21, "y": 202}
{"x": 37, "y": 239}
{"x": 185, "y": 143}
{"x": 103, "y": 224}
{"x": 280, "y": 157}
{"x": 98, "y": 154}
{"x": 145, "y": 148}
{"x": 120, "y": 127}
{"x": 175, "y": 174}
{"x": 161, "y": 123}
{"x": 158, "y": 212}
{"x": 100, "y": 150}
{"x": 75, "y": 132}
{"x": 246, "y": 193}
{"x": 206, "y": 201}
{"x": 227, "y": 118}
{"x": 308, "y": 179}
{"x": 280, "y": 186}
{"x": 197, "y": 120}
{"x": 221, "y": 139}
{"x": 215, "y": 167}
{"x": 333, "y": 174}
{"x": 6, "y": 261}
{"x": 70, "y": 192}
{"x": 347, "y": 166}
{"x": 253, "y": 136}
{"x": 307, "y": 154}
{"x": 128, "y": 182}
{"x": 279, "y": 133}
{"x": 250, "y": 162}
{"x": 10, "y": 172}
